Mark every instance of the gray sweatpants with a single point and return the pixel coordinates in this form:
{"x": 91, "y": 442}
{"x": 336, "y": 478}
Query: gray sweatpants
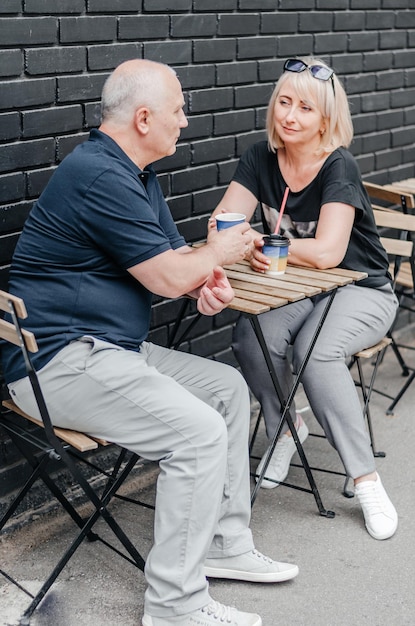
{"x": 358, "y": 318}
{"x": 190, "y": 414}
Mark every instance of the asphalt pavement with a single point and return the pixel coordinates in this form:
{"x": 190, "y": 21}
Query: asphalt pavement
{"x": 346, "y": 577}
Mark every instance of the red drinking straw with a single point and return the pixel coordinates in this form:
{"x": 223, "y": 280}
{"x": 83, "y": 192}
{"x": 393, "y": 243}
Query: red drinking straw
{"x": 282, "y": 207}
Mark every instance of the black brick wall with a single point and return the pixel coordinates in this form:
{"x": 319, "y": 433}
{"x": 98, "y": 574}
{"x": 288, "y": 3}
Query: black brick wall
{"x": 55, "y": 56}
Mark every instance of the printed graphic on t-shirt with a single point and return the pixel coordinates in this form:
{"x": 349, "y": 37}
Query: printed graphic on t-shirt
{"x": 288, "y": 227}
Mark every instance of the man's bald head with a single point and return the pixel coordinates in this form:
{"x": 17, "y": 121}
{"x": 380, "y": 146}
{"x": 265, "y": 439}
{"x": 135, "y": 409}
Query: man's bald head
{"x": 133, "y": 84}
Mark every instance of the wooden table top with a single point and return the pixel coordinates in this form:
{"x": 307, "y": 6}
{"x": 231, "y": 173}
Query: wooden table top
{"x": 407, "y": 185}
{"x": 257, "y": 293}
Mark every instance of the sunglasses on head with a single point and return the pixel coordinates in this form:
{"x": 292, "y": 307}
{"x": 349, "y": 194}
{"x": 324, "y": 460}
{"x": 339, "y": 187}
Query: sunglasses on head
{"x": 318, "y": 71}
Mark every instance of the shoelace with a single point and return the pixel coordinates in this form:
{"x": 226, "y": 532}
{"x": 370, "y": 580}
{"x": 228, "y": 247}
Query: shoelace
{"x": 261, "y": 556}
{"x": 369, "y": 498}
{"x": 219, "y": 611}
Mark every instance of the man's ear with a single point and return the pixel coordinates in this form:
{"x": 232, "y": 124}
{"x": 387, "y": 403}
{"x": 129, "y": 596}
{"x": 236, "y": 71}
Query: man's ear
{"x": 141, "y": 119}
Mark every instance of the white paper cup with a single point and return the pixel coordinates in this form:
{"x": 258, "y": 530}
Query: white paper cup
{"x": 226, "y": 220}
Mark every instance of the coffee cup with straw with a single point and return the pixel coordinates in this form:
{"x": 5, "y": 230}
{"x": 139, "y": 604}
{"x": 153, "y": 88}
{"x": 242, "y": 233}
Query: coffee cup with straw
{"x": 276, "y": 246}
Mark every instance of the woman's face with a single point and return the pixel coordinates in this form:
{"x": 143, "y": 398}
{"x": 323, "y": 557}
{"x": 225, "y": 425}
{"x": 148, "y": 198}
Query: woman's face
{"x": 298, "y": 122}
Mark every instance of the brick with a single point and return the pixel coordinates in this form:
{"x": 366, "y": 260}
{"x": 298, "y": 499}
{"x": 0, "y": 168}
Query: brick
{"x": 376, "y": 141}
{"x": 212, "y": 5}
{"x": 402, "y": 98}
{"x": 404, "y": 58}
{"x": 52, "y": 121}
{"x": 12, "y": 187}
{"x": 347, "y": 63}
{"x": 390, "y": 119}
{"x": 349, "y": 20}
{"x": 328, "y": 4}
{"x": 375, "y": 61}
{"x": 405, "y": 19}
{"x": 315, "y": 22}
{"x": 193, "y": 179}
{"x": 239, "y": 25}
{"x": 294, "y": 45}
{"x": 299, "y": 5}
{"x": 11, "y": 62}
{"x": 199, "y": 126}
{"x": 143, "y": 27}
{"x": 92, "y": 112}
{"x": 167, "y": 6}
{"x": 45, "y": 7}
{"x": 403, "y": 136}
{"x": 193, "y": 25}
{"x": 391, "y": 80}
{"x": 375, "y": 102}
{"x": 211, "y": 99}
{"x": 65, "y": 145}
{"x": 75, "y": 88}
{"x": 170, "y": 52}
{"x": 330, "y": 43}
{"x": 366, "y": 123}
{"x": 379, "y": 20}
{"x": 361, "y": 83}
{"x": 388, "y": 158}
{"x": 256, "y": 5}
{"x": 363, "y": 41}
{"x": 253, "y": 95}
{"x": 364, "y": 4}
{"x": 409, "y": 116}
{"x": 233, "y": 122}
{"x": 214, "y": 50}
{"x": 55, "y": 60}
{"x": 9, "y": 126}
{"x": 212, "y": 150}
{"x": 180, "y": 159}
{"x": 36, "y": 181}
{"x": 196, "y": 76}
{"x": 87, "y": 29}
{"x": 194, "y": 229}
{"x": 226, "y": 171}
{"x": 108, "y": 56}
{"x": 278, "y": 23}
{"x": 257, "y": 47}
{"x": 392, "y": 40}
{"x": 236, "y": 73}
{"x": 27, "y": 154}
{"x": 10, "y": 6}
{"x": 245, "y": 140}
{"x": 28, "y": 31}
{"x": 181, "y": 207}
{"x": 204, "y": 202}
{"x": 109, "y": 6}
{"x": 30, "y": 92}
{"x": 270, "y": 69}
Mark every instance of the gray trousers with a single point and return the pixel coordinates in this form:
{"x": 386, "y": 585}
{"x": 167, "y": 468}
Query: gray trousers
{"x": 192, "y": 416}
{"x": 359, "y": 317}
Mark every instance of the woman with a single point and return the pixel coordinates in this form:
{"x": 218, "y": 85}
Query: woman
{"x": 329, "y": 220}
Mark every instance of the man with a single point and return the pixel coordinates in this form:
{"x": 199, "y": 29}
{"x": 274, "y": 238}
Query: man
{"x": 97, "y": 244}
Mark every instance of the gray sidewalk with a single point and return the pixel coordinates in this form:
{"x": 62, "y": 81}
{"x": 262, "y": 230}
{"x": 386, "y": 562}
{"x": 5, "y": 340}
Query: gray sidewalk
{"x": 346, "y": 577}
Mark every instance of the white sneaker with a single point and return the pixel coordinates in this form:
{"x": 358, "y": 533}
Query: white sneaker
{"x": 251, "y": 566}
{"x": 284, "y": 451}
{"x": 380, "y": 515}
{"x": 213, "y": 614}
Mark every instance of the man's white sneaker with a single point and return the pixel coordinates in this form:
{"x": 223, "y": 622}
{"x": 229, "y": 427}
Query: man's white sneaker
{"x": 251, "y": 566}
{"x": 213, "y": 614}
{"x": 284, "y": 451}
{"x": 380, "y": 515}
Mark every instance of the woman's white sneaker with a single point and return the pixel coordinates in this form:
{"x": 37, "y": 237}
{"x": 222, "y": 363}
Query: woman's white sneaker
{"x": 380, "y": 515}
{"x": 284, "y": 451}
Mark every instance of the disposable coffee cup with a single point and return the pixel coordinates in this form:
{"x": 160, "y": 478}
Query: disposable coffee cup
{"x": 226, "y": 220}
{"x": 276, "y": 249}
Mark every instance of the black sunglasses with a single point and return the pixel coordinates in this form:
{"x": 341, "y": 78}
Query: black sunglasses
{"x": 318, "y": 71}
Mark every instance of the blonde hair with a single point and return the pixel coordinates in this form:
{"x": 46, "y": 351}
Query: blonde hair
{"x": 328, "y": 96}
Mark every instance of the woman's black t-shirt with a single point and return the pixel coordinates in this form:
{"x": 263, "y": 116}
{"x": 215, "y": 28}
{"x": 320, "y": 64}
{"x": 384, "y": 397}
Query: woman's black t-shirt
{"x": 339, "y": 180}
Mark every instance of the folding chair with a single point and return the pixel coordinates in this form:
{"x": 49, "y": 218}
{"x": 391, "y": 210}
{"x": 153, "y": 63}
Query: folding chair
{"x": 402, "y": 267}
{"x": 46, "y": 445}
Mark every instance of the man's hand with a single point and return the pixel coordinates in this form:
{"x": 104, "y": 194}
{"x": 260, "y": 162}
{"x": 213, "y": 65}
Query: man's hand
{"x": 215, "y": 294}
